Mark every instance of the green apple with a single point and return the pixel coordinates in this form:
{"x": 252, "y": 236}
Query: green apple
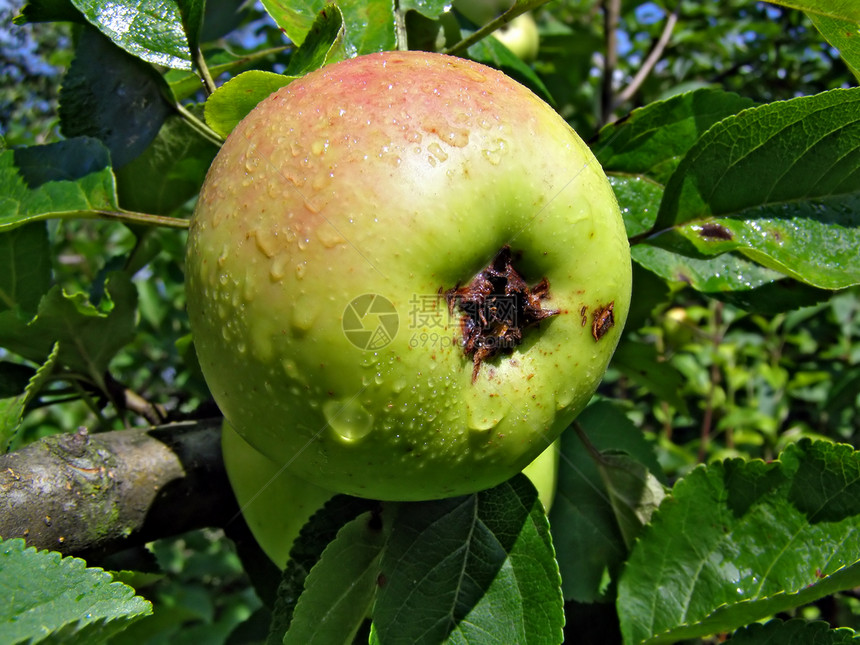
{"x": 274, "y": 502}
{"x": 520, "y": 36}
{"x": 406, "y": 275}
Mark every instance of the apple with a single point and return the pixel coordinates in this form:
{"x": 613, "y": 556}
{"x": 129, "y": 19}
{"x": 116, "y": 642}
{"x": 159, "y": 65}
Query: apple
{"x": 274, "y": 502}
{"x": 521, "y": 36}
{"x": 406, "y": 275}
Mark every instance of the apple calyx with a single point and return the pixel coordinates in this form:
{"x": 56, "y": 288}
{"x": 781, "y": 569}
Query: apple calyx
{"x": 497, "y": 307}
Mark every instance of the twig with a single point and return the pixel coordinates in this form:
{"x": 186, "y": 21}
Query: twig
{"x": 650, "y": 61}
{"x": 90, "y": 495}
{"x": 611, "y": 15}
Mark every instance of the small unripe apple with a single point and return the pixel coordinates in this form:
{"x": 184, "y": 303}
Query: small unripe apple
{"x": 406, "y": 275}
{"x": 520, "y": 36}
{"x": 274, "y": 502}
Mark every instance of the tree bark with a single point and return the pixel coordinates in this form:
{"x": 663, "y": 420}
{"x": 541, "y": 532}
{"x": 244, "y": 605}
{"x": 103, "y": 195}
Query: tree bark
{"x": 92, "y": 495}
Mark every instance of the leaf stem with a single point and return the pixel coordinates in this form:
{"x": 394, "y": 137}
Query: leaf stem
{"x": 401, "y": 34}
{"x": 205, "y": 76}
{"x": 199, "y": 126}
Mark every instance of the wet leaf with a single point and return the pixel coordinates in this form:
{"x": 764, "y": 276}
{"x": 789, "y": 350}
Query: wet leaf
{"x": 779, "y": 183}
{"x": 149, "y": 29}
{"x": 738, "y": 541}
{"x": 653, "y": 139}
{"x": 67, "y": 178}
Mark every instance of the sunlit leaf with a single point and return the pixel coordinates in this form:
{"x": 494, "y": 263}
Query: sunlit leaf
{"x": 149, "y": 29}
{"x": 44, "y": 592}
{"x": 738, "y": 541}
{"x": 453, "y": 567}
{"x": 779, "y": 183}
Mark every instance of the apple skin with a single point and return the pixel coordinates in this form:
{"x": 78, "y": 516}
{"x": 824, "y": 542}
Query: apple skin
{"x": 400, "y": 174}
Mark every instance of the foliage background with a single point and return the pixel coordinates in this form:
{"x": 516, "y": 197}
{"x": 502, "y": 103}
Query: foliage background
{"x": 741, "y": 382}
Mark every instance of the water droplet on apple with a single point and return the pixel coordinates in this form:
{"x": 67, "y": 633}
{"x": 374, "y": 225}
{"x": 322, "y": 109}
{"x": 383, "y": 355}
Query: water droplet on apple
{"x": 348, "y": 419}
{"x": 290, "y": 368}
{"x": 496, "y": 151}
{"x": 301, "y": 267}
{"x": 399, "y": 384}
{"x": 304, "y": 316}
{"x": 457, "y": 138}
{"x": 564, "y": 398}
{"x": 378, "y": 378}
{"x": 329, "y": 236}
{"x": 483, "y": 415}
{"x": 251, "y": 162}
{"x": 319, "y": 147}
{"x": 279, "y": 268}
{"x": 266, "y": 241}
{"x": 436, "y": 150}
{"x": 473, "y": 74}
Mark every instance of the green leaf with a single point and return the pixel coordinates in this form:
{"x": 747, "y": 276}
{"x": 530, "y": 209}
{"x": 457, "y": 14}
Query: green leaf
{"x": 368, "y": 26}
{"x": 67, "y": 177}
{"x": 43, "y": 593}
{"x": 731, "y": 278}
{"x": 232, "y": 102}
{"x": 112, "y": 96}
{"x": 12, "y": 408}
{"x": 840, "y": 9}
{"x": 169, "y": 172}
{"x": 813, "y": 241}
{"x": 738, "y": 541}
{"x": 192, "y": 20}
{"x": 452, "y": 568}
{"x": 780, "y": 183}
{"x": 340, "y": 588}
{"x": 323, "y": 44}
{"x": 844, "y": 35}
{"x": 652, "y": 140}
{"x": 429, "y": 8}
{"x": 792, "y": 632}
{"x": 634, "y": 493}
{"x": 307, "y": 549}
{"x": 149, "y": 29}
{"x": 25, "y": 268}
{"x": 638, "y": 361}
{"x": 588, "y": 540}
{"x": 89, "y": 335}
{"x": 639, "y": 198}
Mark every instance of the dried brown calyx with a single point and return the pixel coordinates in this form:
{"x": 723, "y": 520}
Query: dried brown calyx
{"x": 497, "y": 306}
